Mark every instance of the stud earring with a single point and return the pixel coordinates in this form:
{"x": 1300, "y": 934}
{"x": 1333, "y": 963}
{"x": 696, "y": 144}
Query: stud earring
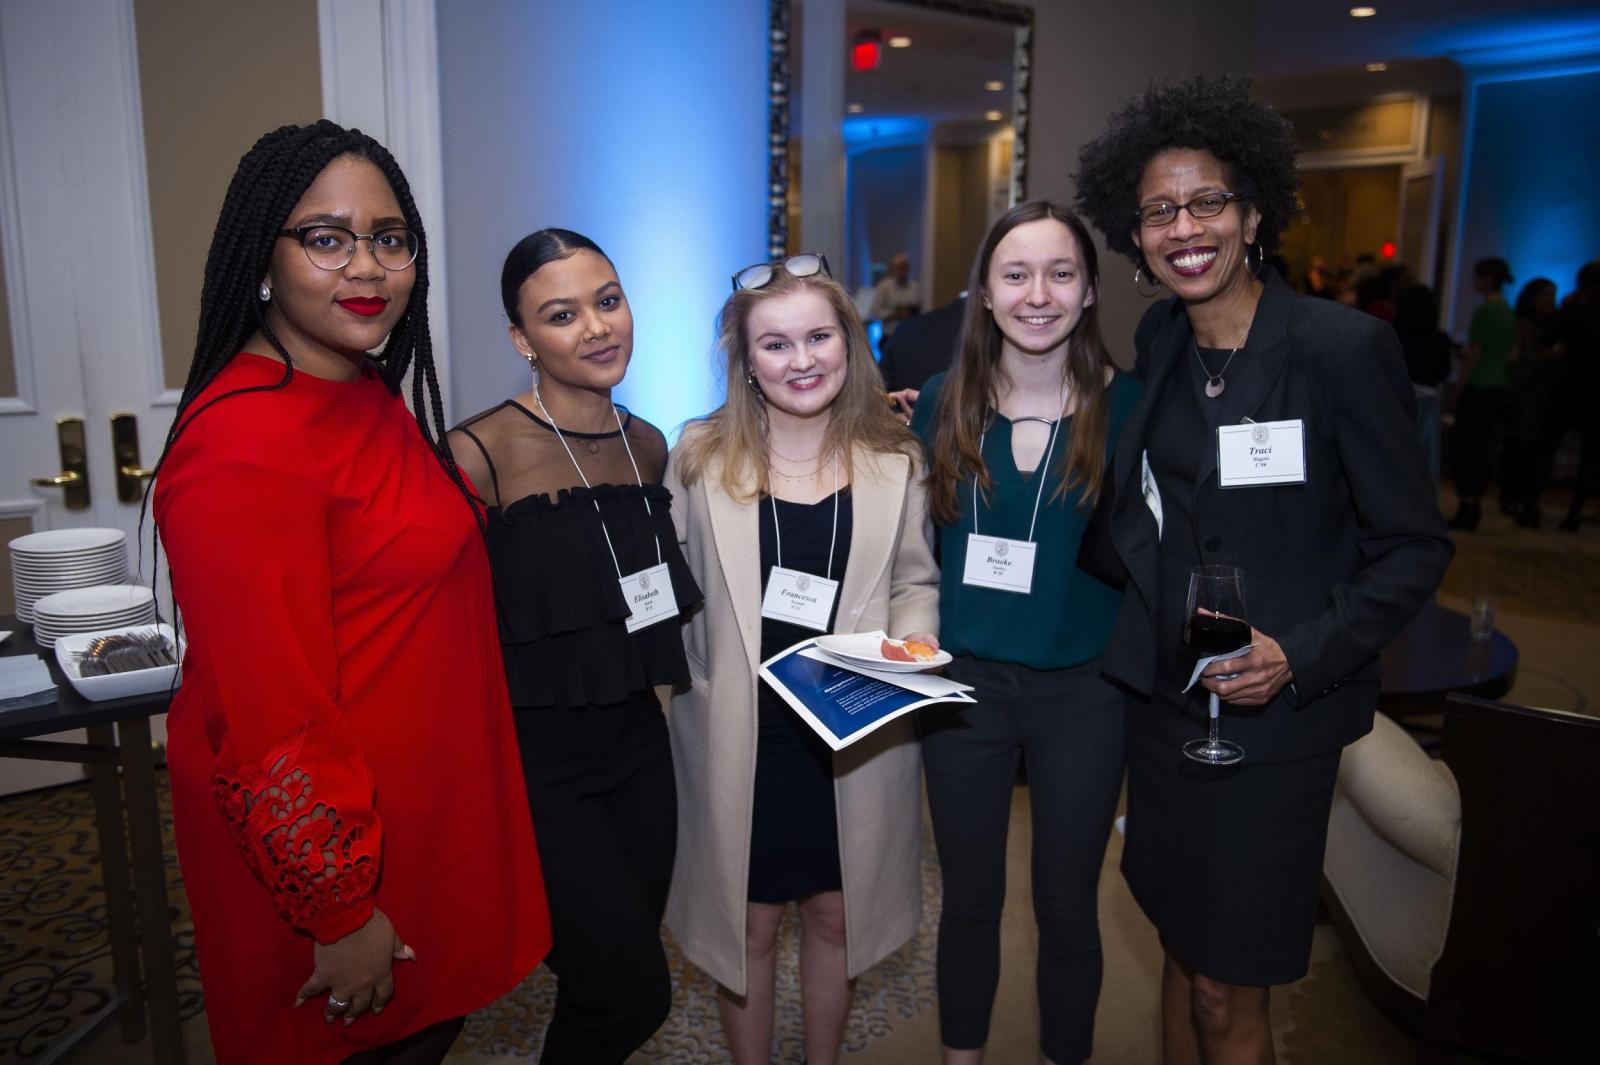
{"x": 264, "y": 292}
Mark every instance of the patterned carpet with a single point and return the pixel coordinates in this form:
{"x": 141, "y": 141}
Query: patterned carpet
{"x": 1544, "y": 577}
{"x": 55, "y": 963}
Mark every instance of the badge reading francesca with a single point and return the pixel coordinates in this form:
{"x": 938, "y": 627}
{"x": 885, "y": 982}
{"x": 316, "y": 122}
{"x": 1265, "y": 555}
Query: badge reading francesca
{"x": 1261, "y": 453}
{"x": 650, "y": 597}
{"x": 1005, "y": 565}
{"x": 799, "y": 598}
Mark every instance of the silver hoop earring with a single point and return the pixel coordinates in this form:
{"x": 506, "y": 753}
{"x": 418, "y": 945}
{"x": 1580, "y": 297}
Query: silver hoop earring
{"x": 1261, "y": 257}
{"x": 750, "y": 380}
{"x": 1138, "y": 282}
{"x": 264, "y": 292}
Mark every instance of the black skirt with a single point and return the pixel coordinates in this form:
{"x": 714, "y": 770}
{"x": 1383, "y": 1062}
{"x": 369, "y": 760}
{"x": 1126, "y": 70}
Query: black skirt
{"x": 1226, "y": 861}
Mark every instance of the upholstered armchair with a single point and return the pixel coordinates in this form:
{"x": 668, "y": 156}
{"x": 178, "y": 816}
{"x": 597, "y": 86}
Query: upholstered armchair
{"x": 1467, "y": 891}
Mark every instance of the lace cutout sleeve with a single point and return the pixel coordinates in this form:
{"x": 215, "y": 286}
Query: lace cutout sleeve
{"x": 250, "y": 550}
{"x": 298, "y": 845}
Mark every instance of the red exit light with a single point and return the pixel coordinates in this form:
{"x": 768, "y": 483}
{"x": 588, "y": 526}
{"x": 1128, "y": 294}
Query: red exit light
{"x": 1388, "y": 249}
{"x": 867, "y": 51}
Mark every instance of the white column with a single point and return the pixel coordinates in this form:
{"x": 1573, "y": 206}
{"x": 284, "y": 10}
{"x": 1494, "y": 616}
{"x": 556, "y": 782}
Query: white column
{"x": 387, "y": 85}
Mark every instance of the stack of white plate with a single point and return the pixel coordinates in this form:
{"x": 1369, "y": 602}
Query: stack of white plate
{"x": 109, "y": 606}
{"x": 48, "y": 562}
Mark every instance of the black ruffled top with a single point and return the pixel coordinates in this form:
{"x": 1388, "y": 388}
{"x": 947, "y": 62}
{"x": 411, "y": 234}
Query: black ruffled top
{"x": 561, "y": 609}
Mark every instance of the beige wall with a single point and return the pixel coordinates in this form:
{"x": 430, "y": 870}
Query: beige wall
{"x": 214, "y": 75}
{"x": 10, "y": 529}
{"x": 961, "y": 212}
{"x": 1088, "y": 58}
{"x": 8, "y": 361}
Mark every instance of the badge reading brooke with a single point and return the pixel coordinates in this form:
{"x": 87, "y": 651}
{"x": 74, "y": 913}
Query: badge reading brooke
{"x": 998, "y": 563}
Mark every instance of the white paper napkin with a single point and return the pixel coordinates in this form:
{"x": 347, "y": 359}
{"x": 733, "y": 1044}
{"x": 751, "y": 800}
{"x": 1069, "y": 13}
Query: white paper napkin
{"x": 22, "y": 675}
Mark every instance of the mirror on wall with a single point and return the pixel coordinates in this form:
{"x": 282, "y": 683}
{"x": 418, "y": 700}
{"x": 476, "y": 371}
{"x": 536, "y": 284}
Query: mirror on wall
{"x": 931, "y": 105}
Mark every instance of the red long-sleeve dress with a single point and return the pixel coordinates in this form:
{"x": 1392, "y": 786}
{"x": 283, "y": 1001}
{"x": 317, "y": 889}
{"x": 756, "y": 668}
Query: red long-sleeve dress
{"x": 342, "y": 739}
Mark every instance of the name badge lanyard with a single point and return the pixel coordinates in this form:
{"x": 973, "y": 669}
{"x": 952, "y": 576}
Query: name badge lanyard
{"x": 802, "y": 598}
{"x": 649, "y": 591}
{"x": 1005, "y": 565}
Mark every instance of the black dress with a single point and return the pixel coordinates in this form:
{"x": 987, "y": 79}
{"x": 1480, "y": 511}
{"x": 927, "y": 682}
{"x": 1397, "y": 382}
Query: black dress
{"x": 794, "y": 837}
{"x": 591, "y": 734}
{"x": 1224, "y": 860}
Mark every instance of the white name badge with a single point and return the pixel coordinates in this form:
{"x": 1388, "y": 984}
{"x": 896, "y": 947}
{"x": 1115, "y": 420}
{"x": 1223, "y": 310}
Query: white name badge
{"x": 650, "y": 597}
{"x": 1006, "y": 565}
{"x": 802, "y": 599}
{"x": 1258, "y": 453}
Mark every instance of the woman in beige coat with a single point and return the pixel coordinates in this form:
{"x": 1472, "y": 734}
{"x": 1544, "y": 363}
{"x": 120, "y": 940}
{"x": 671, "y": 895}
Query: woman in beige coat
{"x": 802, "y": 473}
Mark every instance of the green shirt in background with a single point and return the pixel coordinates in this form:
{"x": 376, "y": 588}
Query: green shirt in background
{"x": 1493, "y": 330}
{"x": 1067, "y": 618}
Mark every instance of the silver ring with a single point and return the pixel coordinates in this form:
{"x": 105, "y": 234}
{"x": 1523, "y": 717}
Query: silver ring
{"x": 336, "y": 1003}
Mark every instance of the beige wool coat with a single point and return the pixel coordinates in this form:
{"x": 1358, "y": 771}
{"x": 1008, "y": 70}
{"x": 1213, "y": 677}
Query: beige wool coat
{"x": 891, "y": 583}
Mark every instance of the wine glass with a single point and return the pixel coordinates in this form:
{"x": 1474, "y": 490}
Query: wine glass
{"x": 1215, "y": 624}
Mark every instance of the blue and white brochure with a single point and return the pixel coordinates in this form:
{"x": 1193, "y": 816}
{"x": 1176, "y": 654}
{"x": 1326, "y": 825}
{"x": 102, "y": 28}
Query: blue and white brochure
{"x": 842, "y": 702}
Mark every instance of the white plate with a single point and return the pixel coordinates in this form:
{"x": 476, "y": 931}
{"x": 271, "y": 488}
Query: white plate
{"x": 74, "y": 566}
{"x": 115, "y": 685}
{"x": 863, "y": 648}
{"x": 88, "y": 602}
{"x": 65, "y": 541}
{"x": 115, "y": 551}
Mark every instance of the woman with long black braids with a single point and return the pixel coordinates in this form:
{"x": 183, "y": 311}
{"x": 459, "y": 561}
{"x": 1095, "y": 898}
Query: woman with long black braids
{"x": 346, "y": 795}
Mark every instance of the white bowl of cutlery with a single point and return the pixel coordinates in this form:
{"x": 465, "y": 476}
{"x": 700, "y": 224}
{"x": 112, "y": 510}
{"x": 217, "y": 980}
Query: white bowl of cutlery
{"x": 122, "y": 662}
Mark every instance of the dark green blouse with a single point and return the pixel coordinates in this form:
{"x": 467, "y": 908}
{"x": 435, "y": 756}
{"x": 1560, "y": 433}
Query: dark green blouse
{"x": 1067, "y": 618}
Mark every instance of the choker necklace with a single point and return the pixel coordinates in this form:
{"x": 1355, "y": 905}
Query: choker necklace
{"x": 1214, "y": 382}
{"x": 797, "y": 462}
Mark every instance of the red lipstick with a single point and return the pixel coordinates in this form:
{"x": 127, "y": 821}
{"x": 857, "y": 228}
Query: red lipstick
{"x": 366, "y": 306}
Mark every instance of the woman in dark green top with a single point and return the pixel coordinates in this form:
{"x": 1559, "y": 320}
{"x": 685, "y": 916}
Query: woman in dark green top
{"x": 1017, "y": 434}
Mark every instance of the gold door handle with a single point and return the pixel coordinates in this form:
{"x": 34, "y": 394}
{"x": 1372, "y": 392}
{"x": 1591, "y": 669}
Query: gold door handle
{"x": 125, "y": 450}
{"x": 60, "y": 480}
{"x": 73, "y": 480}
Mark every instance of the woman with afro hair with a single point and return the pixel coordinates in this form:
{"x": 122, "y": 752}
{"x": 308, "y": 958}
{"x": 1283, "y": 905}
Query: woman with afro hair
{"x": 1338, "y": 535}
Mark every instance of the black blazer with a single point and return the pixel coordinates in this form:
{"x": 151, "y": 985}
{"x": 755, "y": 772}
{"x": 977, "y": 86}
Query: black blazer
{"x": 921, "y": 346}
{"x": 1335, "y": 567}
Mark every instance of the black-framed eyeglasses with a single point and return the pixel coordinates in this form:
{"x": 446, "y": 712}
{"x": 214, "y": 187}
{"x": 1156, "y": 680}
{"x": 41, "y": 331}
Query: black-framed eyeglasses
{"x": 1207, "y": 205}
{"x": 332, "y": 247}
{"x": 798, "y": 266}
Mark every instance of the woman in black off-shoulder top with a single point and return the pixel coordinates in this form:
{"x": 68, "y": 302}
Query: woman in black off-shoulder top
{"x": 583, "y": 549}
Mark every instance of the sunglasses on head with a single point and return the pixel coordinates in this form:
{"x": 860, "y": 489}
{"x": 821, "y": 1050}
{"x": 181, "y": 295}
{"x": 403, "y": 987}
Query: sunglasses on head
{"x": 797, "y": 266}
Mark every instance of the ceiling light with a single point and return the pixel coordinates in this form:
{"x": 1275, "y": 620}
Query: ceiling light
{"x": 1377, "y": 68}
{"x": 854, "y": 109}
{"x": 994, "y": 116}
{"x": 900, "y": 42}
{"x": 1363, "y": 12}
{"x": 995, "y": 86}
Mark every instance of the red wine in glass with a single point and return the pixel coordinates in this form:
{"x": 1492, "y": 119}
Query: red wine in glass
{"x": 1208, "y": 634}
{"x": 1214, "y": 625}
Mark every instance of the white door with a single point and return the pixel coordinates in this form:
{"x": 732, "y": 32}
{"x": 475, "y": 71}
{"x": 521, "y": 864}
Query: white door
{"x": 78, "y": 273}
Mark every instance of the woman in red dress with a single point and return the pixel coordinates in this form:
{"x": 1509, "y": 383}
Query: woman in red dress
{"x": 348, "y": 802}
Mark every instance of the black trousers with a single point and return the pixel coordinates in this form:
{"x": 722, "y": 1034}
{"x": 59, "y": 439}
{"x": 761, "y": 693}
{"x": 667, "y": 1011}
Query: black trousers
{"x": 605, "y": 814}
{"x": 1066, "y": 725}
{"x": 1478, "y": 414}
{"x": 427, "y": 1047}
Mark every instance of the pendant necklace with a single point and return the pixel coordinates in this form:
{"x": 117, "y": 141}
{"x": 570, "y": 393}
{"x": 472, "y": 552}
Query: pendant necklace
{"x": 1214, "y": 382}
